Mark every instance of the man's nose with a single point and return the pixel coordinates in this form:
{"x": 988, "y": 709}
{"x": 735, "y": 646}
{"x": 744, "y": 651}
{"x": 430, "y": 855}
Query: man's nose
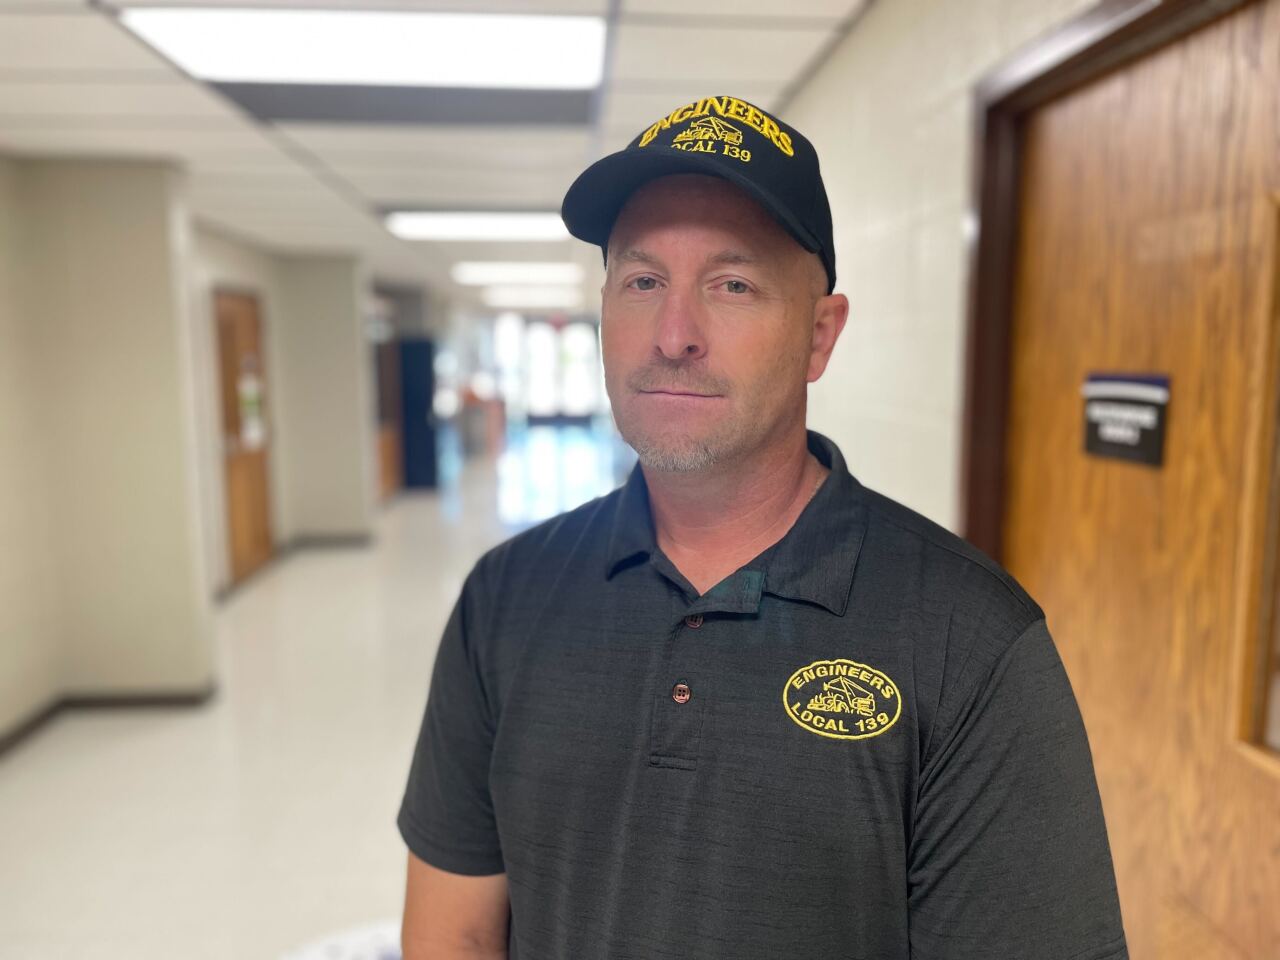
{"x": 680, "y": 334}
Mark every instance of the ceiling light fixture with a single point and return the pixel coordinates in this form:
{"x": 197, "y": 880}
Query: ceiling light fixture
{"x": 476, "y": 225}
{"x": 386, "y": 48}
{"x": 533, "y": 297}
{"x": 483, "y": 273}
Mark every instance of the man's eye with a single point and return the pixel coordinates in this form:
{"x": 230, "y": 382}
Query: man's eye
{"x": 736, "y": 286}
{"x": 644, "y": 283}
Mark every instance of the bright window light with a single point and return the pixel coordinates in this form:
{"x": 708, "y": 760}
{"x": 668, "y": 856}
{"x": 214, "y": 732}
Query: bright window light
{"x": 376, "y": 47}
{"x": 532, "y": 298}
{"x": 476, "y": 225}
{"x": 484, "y": 273}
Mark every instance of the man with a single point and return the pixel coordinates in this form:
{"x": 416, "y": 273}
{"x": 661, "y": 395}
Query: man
{"x": 743, "y": 708}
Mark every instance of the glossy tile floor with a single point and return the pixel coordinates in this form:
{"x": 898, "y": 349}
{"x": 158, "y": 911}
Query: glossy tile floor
{"x": 264, "y": 821}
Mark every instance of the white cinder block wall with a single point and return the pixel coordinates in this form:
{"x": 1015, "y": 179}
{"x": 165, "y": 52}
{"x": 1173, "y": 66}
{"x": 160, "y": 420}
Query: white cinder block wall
{"x": 890, "y": 115}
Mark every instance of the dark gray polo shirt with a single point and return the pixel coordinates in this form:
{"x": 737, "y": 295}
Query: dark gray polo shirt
{"x": 862, "y": 744}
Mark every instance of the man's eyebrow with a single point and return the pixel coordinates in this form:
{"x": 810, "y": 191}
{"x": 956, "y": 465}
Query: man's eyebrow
{"x": 733, "y": 257}
{"x": 634, "y": 255}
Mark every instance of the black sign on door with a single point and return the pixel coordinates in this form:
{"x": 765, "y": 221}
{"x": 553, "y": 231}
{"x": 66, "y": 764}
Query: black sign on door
{"x": 1124, "y": 416}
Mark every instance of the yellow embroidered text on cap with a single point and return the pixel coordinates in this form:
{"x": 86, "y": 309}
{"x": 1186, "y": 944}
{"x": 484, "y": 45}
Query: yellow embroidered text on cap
{"x": 730, "y": 107}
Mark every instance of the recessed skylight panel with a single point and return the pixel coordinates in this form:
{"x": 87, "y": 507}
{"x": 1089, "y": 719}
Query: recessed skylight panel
{"x": 476, "y": 225}
{"x": 380, "y": 48}
{"x": 483, "y": 273}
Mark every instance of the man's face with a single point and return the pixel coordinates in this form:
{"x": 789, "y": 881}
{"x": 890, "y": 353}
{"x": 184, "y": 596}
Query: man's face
{"x": 713, "y": 321}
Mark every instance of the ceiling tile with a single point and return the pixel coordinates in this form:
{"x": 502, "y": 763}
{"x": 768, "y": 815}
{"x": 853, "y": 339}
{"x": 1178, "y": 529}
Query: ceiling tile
{"x": 613, "y": 139}
{"x": 427, "y": 188}
{"x": 279, "y": 223}
{"x": 710, "y": 54}
{"x": 240, "y": 142}
{"x": 44, "y": 6}
{"x": 354, "y": 145}
{"x": 265, "y": 162}
{"x": 86, "y": 42}
{"x": 315, "y": 202}
{"x": 295, "y": 180}
{"x": 285, "y": 240}
{"x": 178, "y": 98}
{"x": 634, "y": 108}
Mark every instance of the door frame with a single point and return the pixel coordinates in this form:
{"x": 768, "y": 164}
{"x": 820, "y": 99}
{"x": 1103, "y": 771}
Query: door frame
{"x": 1102, "y": 38}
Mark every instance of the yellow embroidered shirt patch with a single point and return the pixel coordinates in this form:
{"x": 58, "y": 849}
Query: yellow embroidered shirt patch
{"x": 842, "y": 699}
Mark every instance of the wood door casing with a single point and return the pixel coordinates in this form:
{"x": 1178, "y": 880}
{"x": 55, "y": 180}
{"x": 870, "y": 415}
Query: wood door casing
{"x": 1147, "y": 243}
{"x": 245, "y": 457}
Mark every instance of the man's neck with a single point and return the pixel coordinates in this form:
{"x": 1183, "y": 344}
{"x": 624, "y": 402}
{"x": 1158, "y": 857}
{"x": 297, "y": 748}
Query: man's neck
{"x": 710, "y": 523}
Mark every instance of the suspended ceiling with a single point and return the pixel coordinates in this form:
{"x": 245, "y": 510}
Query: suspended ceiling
{"x": 75, "y": 82}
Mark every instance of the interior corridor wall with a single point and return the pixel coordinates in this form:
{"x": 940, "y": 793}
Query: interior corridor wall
{"x": 29, "y": 646}
{"x": 325, "y": 399}
{"x": 890, "y": 115}
{"x": 319, "y": 403}
{"x": 104, "y": 254}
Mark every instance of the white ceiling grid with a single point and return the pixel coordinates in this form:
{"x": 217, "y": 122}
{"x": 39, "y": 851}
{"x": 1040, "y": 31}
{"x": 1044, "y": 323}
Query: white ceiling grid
{"x": 74, "y": 82}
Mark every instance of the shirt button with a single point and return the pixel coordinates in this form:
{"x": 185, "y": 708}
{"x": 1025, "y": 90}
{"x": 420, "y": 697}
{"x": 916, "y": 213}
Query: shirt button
{"x": 694, "y": 620}
{"x": 681, "y": 693}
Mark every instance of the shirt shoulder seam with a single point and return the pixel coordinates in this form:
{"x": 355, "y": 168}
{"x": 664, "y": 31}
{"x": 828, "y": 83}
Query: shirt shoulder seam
{"x": 985, "y": 564}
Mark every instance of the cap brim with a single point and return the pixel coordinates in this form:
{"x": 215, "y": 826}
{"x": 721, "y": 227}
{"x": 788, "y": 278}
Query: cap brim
{"x": 593, "y": 201}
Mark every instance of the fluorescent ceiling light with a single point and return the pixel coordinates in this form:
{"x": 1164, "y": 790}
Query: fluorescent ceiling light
{"x": 476, "y": 225}
{"x": 483, "y": 273}
{"x": 376, "y": 47}
{"x": 539, "y": 297}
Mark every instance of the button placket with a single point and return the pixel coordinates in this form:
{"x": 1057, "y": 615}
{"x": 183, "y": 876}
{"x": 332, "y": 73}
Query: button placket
{"x": 678, "y": 714}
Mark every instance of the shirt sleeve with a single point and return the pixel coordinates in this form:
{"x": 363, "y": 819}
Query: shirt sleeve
{"x": 1009, "y": 855}
{"x": 446, "y": 817}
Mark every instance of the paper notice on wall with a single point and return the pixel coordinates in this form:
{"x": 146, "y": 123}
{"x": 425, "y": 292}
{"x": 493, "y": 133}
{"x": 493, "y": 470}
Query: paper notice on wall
{"x": 253, "y": 428}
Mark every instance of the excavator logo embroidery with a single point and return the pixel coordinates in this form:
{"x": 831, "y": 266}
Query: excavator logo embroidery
{"x": 702, "y": 135}
{"x": 710, "y": 128}
{"x": 842, "y": 699}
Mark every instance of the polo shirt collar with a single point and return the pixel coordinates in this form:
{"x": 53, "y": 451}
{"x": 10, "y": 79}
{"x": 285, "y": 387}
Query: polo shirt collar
{"x": 631, "y": 535}
{"x": 814, "y": 562}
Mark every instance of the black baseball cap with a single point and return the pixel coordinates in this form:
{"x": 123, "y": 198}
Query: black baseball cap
{"x": 724, "y": 137}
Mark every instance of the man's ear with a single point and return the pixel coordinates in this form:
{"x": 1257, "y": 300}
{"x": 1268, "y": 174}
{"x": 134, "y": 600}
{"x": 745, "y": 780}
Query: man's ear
{"x": 829, "y": 316}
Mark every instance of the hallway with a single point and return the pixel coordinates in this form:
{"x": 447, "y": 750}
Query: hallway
{"x": 264, "y": 820}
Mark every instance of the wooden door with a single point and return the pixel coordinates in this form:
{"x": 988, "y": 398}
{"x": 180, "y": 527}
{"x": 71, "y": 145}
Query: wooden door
{"x": 246, "y": 441}
{"x": 390, "y": 429}
{"x": 1147, "y": 243}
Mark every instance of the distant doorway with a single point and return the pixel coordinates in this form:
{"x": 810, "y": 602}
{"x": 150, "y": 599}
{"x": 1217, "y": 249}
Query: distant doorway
{"x": 390, "y": 424}
{"x": 245, "y": 438}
